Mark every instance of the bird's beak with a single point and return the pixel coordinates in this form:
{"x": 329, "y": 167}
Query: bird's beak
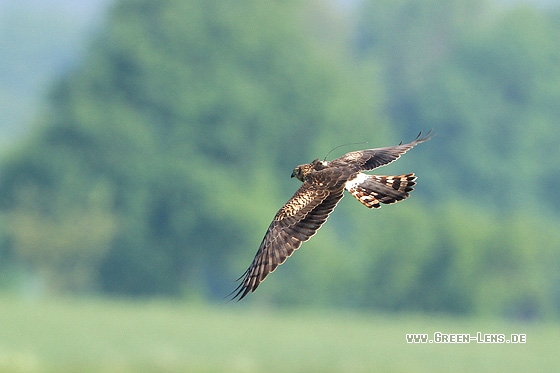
{"x": 293, "y": 174}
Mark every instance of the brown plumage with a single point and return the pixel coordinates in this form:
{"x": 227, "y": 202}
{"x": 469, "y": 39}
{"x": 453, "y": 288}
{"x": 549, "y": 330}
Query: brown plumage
{"x": 323, "y": 186}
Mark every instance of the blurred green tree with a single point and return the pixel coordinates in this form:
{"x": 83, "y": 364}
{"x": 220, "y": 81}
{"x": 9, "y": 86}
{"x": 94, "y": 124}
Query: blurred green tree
{"x": 487, "y": 82}
{"x": 184, "y": 113}
{"x": 161, "y": 160}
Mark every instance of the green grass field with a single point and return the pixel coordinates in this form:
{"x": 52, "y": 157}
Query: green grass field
{"x": 77, "y": 335}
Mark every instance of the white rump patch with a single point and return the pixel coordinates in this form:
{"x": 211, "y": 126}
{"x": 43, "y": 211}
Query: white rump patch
{"x": 359, "y": 179}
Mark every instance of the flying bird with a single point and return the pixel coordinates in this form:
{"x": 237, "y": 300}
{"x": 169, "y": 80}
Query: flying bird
{"x": 323, "y": 186}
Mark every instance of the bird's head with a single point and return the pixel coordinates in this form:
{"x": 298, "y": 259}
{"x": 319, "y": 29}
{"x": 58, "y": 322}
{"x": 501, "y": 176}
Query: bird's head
{"x": 301, "y": 171}
{"x": 298, "y": 172}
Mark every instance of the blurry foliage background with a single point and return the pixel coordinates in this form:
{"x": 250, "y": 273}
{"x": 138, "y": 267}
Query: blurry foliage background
{"x": 159, "y": 157}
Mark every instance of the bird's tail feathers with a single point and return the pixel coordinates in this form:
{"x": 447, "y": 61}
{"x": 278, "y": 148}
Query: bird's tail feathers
{"x": 373, "y": 190}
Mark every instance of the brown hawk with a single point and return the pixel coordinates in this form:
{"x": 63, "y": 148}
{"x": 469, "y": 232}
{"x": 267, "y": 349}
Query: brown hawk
{"x": 323, "y": 186}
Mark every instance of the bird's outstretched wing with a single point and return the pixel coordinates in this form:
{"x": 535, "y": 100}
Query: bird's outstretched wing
{"x": 296, "y": 222}
{"x": 365, "y": 160}
{"x": 310, "y": 206}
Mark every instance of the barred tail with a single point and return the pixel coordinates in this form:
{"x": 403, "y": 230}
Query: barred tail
{"x": 373, "y": 190}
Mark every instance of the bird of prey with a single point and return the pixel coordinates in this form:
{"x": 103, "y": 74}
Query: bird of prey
{"x": 323, "y": 186}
